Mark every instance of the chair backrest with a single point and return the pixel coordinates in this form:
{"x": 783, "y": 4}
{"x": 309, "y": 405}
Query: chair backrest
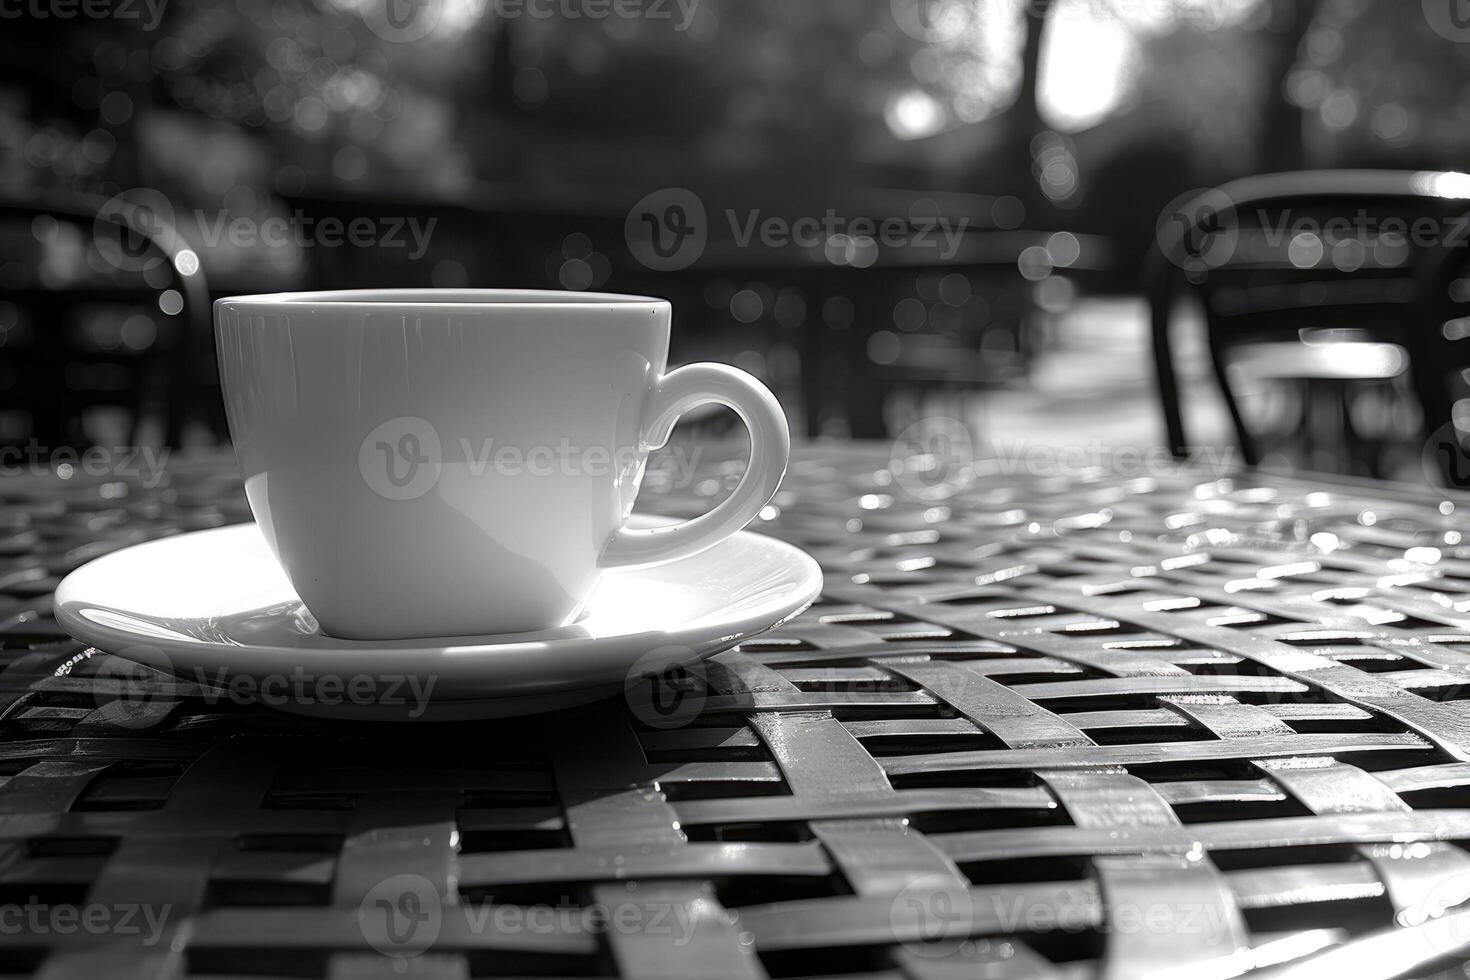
{"x": 1324, "y": 264}
{"x": 940, "y": 299}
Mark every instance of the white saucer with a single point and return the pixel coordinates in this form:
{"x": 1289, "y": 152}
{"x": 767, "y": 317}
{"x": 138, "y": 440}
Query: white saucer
{"x": 215, "y": 608}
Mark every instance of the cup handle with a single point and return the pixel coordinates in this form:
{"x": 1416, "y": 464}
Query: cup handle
{"x": 675, "y": 393}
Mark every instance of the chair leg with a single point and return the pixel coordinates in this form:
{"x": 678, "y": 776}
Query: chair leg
{"x": 1164, "y": 372}
{"x": 1248, "y": 450}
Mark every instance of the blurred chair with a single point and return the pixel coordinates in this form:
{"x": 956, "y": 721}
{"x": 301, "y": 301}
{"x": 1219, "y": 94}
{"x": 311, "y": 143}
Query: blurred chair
{"x": 841, "y": 329}
{"x": 966, "y": 322}
{"x": 1309, "y": 283}
{"x": 865, "y": 323}
{"x": 1441, "y": 359}
{"x": 80, "y": 330}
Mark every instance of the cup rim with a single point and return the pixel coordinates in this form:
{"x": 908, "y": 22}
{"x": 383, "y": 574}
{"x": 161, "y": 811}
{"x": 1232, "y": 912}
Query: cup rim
{"x": 468, "y": 299}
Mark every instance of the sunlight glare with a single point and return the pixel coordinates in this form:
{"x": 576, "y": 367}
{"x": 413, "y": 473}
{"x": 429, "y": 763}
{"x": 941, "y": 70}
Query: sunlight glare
{"x": 1088, "y": 65}
{"x": 1090, "y": 59}
{"x": 914, "y": 114}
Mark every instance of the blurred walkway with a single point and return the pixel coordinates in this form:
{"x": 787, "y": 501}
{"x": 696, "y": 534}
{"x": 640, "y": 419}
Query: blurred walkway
{"x": 1095, "y": 382}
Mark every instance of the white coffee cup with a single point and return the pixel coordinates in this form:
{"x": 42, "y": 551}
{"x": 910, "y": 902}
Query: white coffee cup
{"x": 463, "y": 462}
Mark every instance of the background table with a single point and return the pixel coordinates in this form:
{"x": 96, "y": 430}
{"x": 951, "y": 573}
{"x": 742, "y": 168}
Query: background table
{"x": 1036, "y": 726}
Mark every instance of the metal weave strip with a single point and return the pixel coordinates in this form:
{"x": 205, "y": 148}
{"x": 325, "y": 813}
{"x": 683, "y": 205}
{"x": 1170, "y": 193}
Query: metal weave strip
{"x": 1063, "y": 726}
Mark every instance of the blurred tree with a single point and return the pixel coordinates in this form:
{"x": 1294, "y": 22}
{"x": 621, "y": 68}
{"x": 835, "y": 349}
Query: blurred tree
{"x": 1221, "y": 89}
{"x": 1286, "y": 25}
{"x": 275, "y": 95}
{"x": 1382, "y": 89}
{"x": 750, "y": 89}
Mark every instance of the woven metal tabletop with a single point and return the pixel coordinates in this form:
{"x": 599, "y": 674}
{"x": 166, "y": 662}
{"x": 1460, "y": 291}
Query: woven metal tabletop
{"x": 1063, "y": 726}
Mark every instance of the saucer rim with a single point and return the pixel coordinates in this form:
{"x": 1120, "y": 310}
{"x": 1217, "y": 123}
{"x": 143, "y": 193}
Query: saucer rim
{"x": 478, "y": 654}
